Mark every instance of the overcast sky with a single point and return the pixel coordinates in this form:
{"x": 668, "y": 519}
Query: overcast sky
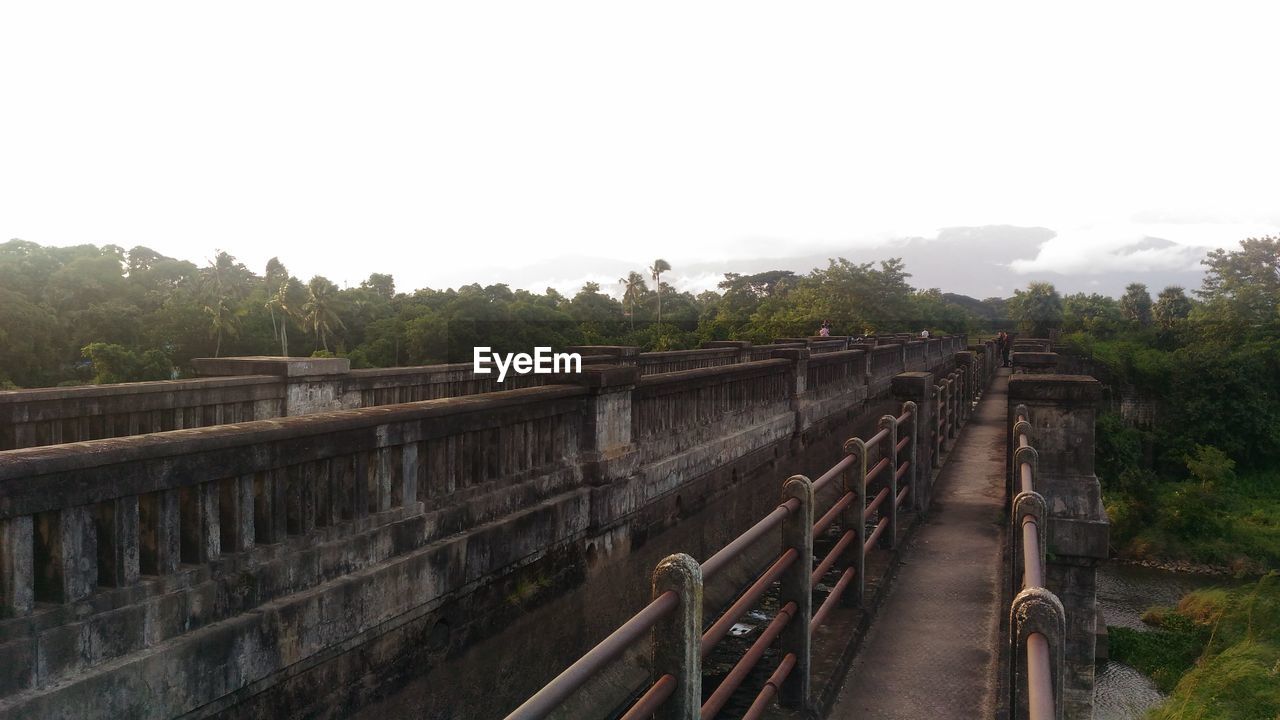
{"x": 533, "y": 142}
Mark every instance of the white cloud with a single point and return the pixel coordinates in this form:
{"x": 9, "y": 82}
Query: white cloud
{"x": 1134, "y": 247}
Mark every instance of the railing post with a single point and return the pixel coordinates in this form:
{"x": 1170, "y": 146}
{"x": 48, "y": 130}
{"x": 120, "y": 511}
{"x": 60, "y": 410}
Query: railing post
{"x": 913, "y": 474}
{"x": 17, "y": 573}
{"x": 855, "y": 518}
{"x": 957, "y": 392}
{"x": 69, "y": 539}
{"x": 889, "y": 537}
{"x": 118, "y": 537}
{"x": 677, "y": 638}
{"x": 1036, "y": 611}
{"x": 795, "y": 587}
{"x": 940, "y": 414}
{"x": 917, "y": 388}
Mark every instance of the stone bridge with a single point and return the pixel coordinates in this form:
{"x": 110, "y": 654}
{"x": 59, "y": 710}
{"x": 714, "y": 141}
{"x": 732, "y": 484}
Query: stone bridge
{"x": 286, "y": 537}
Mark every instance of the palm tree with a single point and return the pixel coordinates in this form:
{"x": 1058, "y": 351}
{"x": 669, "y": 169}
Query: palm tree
{"x": 659, "y": 266}
{"x": 280, "y": 301}
{"x": 225, "y": 321}
{"x": 633, "y": 285}
{"x": 320, "y": 312}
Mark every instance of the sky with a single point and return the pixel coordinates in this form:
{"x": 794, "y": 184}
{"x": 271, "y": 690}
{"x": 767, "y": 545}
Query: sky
{"x": 544, "y": 144}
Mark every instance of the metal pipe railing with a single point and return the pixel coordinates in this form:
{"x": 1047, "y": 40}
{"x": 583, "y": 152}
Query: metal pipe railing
{"x": 652, "y": 699}
{"x": 747, "y": 662}
{"x": 576, "y": 675}
{"x": 1036, "y": 618}
{"x": 1040, "y": 703}
{"x": 721, "y": 627}
{"x": 795, "y": 564}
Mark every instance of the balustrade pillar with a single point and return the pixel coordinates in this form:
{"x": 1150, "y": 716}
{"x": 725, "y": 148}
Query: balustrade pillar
{"x": 889, "y": 480}
{"x": 66, "y": 554}
{"x": 677, "y": 639}
{"x": 917, "y": 388}
{"x": 17, "y": 578}
{"x": 795, "y": 587}
{"x": 855, "y": 518}
{"x": 118, "y": 538}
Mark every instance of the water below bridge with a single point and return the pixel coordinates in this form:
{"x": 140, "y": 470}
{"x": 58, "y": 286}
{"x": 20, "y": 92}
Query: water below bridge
{"x": 1125, "y": 592}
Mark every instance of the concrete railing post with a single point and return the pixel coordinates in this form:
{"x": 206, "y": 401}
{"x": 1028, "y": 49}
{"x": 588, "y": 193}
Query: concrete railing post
{"x": 855, "y": 518}
{"x": 742, "y": 346}
{"x": 955, "y": 392}
{"x": 118, "y": 562}
{"x": 1036, "y": 611}
{"x": 607, "y": 451}
{"x": 677, "y": 639}
{"x": 968, "y": 365}
{"x": 890, "y": 450}
{"x": 68, "y": 541}
{"x": 17, "y": 573}
{"x": 913, "y": 468}
{"x": 799, "y": 374}
{"x": 311, "y": 385}
{"x": 795, "y": 587}
{"x": 917, "y": 389}
{"x": 1061, "y": 416}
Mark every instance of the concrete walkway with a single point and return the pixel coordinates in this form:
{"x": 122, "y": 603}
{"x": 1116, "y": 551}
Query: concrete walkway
{"x": 932, "y": 648}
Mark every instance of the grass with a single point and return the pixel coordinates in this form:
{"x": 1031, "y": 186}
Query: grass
{"x": 1164, "y": 653}
{"x": 1217, "y": 653}
{"x": 1236, "y": 527}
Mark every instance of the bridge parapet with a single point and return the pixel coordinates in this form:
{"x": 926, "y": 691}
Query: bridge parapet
{"x": 48, "y": 416}
{"x": 136, "y": 541}
{"x": 868, "y": 488}
{"x": 1059, "y": 412}
{"x": 215, "y": 561}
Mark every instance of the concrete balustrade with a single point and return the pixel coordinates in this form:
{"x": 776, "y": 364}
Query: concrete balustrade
{"x": 371, "y": 516}
{"x": 244, "y": 389}
{"x": 49, "y": 416}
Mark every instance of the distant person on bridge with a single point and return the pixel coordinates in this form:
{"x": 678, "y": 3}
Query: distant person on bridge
{"x": 1003, "y": 342}
{"x": 825, "y": 330}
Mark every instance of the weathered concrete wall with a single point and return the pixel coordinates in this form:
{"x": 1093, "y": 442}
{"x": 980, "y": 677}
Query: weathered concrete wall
{"x": 242, "y": 389}
{"x": 1062, "y": 410}
{"x": 313, "y": 564}
{"x": 30, "y": 418}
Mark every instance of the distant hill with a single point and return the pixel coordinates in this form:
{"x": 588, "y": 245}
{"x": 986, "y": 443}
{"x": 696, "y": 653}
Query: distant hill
{"x": 989, "y": 309}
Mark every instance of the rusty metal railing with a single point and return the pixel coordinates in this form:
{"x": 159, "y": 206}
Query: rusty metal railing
{"x": 1037, "y": 621}
{"x": 673, "y": 619}
{"x": 951, "y": 396}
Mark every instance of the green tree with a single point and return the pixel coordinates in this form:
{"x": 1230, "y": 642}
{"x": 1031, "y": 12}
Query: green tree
{"x": 1135, "y": 304}
{"x": 320, "y": 312}
{"x": 659, "y": 266}
{"x": 224, "y": 321}
{"x": 1092, "y": 313}
{"x": 633, "y": 288}
{"x": 1241, "y": 290}
{"x": 1037, "y": 309}
{"x": 1171, "y": 306}
{"x": 116, "y": 364}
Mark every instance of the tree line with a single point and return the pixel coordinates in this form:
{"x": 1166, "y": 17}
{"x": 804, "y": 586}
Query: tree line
{"x": 80, "y": 314}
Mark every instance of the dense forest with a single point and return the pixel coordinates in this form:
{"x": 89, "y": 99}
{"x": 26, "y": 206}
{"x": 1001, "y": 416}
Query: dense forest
{"x": 71, "y": 315}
